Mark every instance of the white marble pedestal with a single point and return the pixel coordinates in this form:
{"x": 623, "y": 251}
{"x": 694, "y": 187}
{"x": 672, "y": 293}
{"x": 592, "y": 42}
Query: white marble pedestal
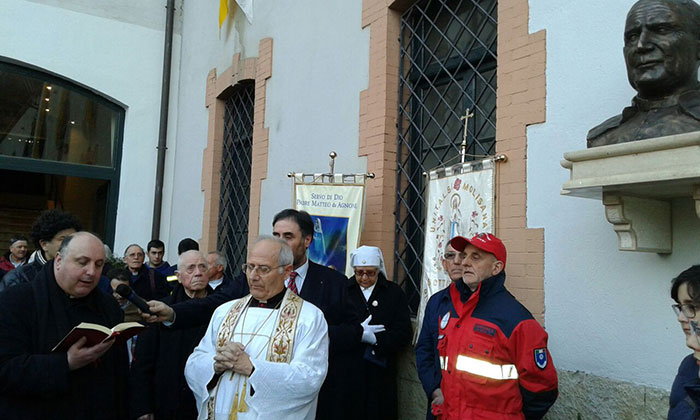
{"x": 635, "y": 182}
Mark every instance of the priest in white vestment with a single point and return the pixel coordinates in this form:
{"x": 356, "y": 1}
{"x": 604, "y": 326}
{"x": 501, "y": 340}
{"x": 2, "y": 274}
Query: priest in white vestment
{"x": 264, "y": 356}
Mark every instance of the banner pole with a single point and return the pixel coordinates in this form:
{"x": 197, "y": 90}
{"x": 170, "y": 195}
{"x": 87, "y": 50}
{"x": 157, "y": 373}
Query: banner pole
{"x": 332, "y": 155}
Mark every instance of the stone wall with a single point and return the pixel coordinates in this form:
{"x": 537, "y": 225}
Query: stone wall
{"x": 412, "y": 401}
{"x": 584, "y": 396}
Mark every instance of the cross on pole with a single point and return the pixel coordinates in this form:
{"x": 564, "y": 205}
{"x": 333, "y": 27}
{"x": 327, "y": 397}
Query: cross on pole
{"x": 463, "y": 148}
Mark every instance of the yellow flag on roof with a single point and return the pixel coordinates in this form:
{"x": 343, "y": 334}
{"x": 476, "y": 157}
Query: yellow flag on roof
{"x": 223, "y": 11}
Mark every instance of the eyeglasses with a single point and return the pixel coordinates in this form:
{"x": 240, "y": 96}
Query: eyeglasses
{"x": 362, "y": 273}
{"x": 688, "y": 309}
{"x": 452, "y": 255}
{"x": 263, "y": 270}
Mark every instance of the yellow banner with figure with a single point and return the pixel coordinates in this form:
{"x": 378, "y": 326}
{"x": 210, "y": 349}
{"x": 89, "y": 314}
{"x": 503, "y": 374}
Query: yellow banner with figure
{"x": 336, "y": 208}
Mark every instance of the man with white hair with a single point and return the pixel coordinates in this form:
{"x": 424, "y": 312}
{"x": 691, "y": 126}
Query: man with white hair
{"x": 217, "y": 265}
{"x": 263, "y": 356}
{"x": 158, "y": 386}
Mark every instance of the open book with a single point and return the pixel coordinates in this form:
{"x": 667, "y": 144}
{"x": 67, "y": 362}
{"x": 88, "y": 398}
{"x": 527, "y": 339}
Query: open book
{"x": 96, "y": 334}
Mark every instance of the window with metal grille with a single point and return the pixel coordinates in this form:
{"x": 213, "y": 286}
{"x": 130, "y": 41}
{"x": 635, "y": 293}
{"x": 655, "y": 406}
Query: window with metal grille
{"x": 447, "y": 64}
{"x": 235, "y": 176}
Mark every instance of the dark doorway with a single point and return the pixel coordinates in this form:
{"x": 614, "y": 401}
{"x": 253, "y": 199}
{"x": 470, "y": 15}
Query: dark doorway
{"x": 23, "y": 195}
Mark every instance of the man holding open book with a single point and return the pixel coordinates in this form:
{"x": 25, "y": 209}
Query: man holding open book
{"x": 84, "y": 381}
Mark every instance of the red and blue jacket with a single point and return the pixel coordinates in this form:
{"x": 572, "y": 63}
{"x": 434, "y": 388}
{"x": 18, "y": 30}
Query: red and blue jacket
{"x": 492, "y": 355}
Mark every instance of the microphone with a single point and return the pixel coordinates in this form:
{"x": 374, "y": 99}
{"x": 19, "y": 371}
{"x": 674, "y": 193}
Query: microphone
{"x": 125, "y": 291}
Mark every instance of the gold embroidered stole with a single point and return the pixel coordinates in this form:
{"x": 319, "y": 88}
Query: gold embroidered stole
{"x": 282, "y": 340}
{"x": 280, "y": 346}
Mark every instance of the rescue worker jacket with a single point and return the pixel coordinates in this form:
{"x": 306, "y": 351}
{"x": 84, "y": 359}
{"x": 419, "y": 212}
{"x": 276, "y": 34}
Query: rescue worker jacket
{"x": 494, "y": 358}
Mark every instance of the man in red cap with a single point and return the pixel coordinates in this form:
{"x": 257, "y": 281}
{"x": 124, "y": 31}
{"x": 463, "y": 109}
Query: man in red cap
{"x": 493, "y": 354}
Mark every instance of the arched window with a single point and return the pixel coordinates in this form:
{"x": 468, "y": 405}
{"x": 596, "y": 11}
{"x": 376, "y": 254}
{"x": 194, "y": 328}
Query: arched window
{"x": 234, "y": 205}
{"x": 60, "y": 146}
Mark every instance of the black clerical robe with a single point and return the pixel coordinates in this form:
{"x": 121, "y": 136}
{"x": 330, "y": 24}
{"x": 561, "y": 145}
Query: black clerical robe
{"x": 157, "y": 382}
{"x": 36, "y": 383}
{"x": 372, "y": 369}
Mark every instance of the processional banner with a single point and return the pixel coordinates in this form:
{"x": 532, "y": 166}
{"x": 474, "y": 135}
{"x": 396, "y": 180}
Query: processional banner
{"x": 460, "y": 202}
{"x": 335, "y": 203}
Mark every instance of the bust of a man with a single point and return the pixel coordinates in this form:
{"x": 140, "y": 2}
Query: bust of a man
{"x": 662, "y": 53}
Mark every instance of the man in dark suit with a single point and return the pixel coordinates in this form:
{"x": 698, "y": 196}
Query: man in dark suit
{"x": 146, "y": 282}
{"x": 323, "y": 287}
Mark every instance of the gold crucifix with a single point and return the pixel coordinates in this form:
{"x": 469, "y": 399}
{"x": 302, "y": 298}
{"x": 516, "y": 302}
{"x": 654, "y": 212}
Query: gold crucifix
{"x": 463, "y": 148}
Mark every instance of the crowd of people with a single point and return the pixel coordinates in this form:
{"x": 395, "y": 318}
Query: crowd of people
{"x": 284, "y": 339}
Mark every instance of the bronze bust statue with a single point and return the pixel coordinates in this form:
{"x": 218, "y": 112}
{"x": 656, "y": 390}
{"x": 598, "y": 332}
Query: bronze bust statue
{"x": 662, "y": 54}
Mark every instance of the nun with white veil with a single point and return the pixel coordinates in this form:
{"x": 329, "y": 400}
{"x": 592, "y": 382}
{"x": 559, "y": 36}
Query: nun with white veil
{"x": 386, "y": 331}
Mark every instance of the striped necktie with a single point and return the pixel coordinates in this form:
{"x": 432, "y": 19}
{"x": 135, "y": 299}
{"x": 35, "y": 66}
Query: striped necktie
{"x": 292, "y": 283}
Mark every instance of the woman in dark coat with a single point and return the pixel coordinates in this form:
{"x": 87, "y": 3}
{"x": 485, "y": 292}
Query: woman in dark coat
{"x": 685, "y": 392}
{"x": 386, "y": 330}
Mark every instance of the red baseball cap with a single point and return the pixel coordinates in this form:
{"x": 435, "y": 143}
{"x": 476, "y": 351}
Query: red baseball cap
{"x": 485, "y": 242}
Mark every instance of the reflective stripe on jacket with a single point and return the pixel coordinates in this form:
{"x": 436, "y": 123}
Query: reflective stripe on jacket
{"x": 494, "y": 358}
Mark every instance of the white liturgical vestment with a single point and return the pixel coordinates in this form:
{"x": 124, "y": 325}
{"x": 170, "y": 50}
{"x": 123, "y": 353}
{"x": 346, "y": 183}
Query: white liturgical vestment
{"x": 280, "y": 391}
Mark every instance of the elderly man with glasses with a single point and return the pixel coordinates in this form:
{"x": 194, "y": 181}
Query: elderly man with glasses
{"x": 146, "y": 282}
{"x": 493, "y": 353}
{"x": 324, "y": 287}
{"x": 263, "y": 356}
{"x": 427, "y": 357}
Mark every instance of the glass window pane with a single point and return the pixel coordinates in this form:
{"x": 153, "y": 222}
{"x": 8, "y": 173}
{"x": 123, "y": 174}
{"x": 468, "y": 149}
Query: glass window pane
{"x": 41, "y": 118}
{"x": 236, "y": 161}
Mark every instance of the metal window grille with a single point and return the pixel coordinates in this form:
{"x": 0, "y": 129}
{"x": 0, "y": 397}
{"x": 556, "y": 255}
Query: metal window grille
{"x": 235, "y": 176}
{"x": 447, "y": 64}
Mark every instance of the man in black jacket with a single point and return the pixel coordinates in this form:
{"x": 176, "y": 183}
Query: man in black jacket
{"x": 48, "y": 231}
{"x": 146, "y": 282}
{"x": 323, "y": 287}
{"x": 158, "y": 386}
{"x": 82, "y": 383}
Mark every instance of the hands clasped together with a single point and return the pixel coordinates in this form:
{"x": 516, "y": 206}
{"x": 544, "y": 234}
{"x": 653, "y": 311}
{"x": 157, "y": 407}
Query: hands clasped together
{"x": 232, "y": 356}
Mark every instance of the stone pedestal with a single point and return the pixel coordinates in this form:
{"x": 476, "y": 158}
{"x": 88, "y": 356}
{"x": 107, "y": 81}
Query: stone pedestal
{"x": 635, "y": 182}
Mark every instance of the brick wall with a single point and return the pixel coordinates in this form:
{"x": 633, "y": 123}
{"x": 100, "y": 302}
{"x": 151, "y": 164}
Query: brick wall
{"x": 520, "y": 102}
{"x": 377, "y": 133}
{"x": 258, "y": 69}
